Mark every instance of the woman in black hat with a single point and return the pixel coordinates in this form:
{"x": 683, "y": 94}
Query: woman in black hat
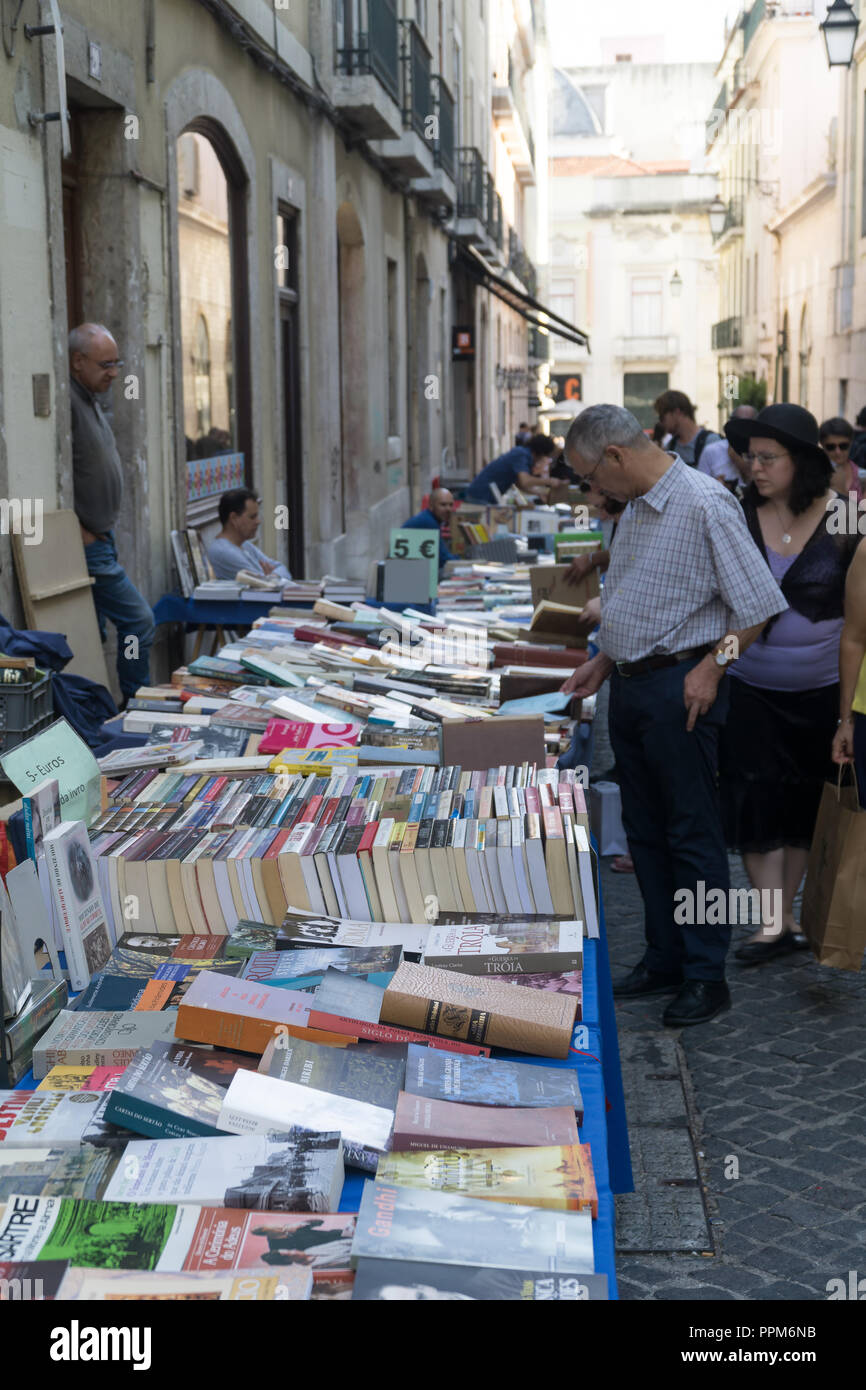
{"x": 775, "y": 751}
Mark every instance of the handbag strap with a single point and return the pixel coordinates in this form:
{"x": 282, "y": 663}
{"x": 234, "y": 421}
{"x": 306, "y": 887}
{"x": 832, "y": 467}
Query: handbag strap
{"x": 850, "y": 767}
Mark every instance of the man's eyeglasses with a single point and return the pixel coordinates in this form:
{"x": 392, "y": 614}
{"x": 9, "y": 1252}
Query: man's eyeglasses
{"x": 837, "y": 448}
{"x": 587, "y": 478}
{"x": 763, "y": 459}
{"x": 108, "y": 366}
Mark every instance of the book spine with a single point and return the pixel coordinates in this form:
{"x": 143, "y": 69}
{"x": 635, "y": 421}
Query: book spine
{"x": 21, "y": 1033}
{"x": 495, "y": 1030}
{"x": 381, "y": 1032}
{"x": 537, "y": 963}
{"x": 50, "y": 1057}
{"x": 76, "y": 961}
{"x": 27, "y": 808}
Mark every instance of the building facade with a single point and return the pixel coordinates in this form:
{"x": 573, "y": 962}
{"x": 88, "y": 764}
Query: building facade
{"x": 631, "y": 252}
{"x": 271, "y": 206}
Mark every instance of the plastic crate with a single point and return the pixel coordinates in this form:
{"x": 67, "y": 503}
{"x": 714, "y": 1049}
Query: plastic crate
{"x": 24, "y": 710}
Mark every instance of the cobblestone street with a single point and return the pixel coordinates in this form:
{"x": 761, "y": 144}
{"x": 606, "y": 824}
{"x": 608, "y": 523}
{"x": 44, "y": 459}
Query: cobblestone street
{"x": 776, "y": 1104}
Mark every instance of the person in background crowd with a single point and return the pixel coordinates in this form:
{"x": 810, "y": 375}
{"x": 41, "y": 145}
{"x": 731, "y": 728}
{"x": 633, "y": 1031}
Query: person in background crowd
{"x": 233, "y": 549}
{"x": 720, "y": 460}
{"x": 775, "y": 749}
{"x": 97, "y": 479}
{"x": 849, "y": 744}
{"x": 684, "y": 588}
{"x": 858, "y": 445}
{"x": 677, "y": 418}
{"x": 434, "y": 516}
{"x": 521, "y": 465}
{"x": 836, "y": 437}
{"x": 524, "y": 433}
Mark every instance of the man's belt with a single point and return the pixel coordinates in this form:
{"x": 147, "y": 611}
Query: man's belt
{"x": 658, "y": 663}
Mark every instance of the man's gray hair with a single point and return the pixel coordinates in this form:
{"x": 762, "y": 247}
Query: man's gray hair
{"x": 600, "y": 425}
{"x": 81, "y": 337}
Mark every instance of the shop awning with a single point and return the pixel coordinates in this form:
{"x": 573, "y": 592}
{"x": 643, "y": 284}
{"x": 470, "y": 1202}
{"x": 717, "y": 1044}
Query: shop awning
{"x": 531, "y": 309}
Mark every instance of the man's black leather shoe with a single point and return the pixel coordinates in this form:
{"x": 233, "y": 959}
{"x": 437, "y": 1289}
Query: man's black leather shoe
{"x": 697, "y": 1002}
{"x": 641, "y": 981}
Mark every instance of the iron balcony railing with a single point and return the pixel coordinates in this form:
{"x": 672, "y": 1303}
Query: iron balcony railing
{"x": 519, "y": 262}
{"x": 715, "y": 117}
{"x": 443, "y": 110}
{"x": 415, "y": 61}
{"x": 751, "y": 22}
{"x": 728, "y": 333}
{"x": 495, "y": 222}
{"x": 368, "y": 41}
{"x": 471, "y": 184}
{"x": 733, "y": 216}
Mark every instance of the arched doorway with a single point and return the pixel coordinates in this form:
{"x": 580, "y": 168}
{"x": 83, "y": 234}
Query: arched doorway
{"x": 214, "y": 315}
{"x": 347, "y": 489}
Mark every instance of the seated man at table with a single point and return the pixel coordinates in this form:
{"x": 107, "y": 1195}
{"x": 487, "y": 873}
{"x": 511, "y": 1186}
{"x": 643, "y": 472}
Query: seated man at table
{"x": 233, "y": 548}
{"x": 523, "y": 465}
{"x": 432, "y": 518}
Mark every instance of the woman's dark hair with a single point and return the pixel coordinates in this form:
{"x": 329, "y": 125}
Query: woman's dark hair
{"x": 234, "y": 501}
{"x": 541, "y": 445}
{"x": 811, "y": 476}
{"x": 836, "y": 425}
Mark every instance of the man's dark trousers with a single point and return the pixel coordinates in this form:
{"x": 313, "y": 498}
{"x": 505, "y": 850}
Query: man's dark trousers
{"x": 671, "y": 815}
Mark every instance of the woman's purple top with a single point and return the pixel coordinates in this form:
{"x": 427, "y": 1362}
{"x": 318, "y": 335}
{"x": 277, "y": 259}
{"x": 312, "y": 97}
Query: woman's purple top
{"x": 798, "y": 654}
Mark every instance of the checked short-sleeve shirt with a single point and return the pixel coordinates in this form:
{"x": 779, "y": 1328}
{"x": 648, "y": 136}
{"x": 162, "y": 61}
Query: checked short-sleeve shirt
{"x": 684, "y": 571}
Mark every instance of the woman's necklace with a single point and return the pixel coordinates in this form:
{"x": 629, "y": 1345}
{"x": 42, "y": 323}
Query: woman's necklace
{"x": 786, "y": 535}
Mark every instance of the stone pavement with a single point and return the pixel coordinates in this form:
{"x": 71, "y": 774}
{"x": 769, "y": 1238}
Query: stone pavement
{"x": 776, "y": 1104}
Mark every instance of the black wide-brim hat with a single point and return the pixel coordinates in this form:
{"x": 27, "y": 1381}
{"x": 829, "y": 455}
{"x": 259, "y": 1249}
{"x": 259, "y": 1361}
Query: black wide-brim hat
{"x": 792, "y": 425}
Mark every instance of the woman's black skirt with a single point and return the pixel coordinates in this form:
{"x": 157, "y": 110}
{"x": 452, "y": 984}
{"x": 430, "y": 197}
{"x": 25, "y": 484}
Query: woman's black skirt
{"x": 774, "y": 757}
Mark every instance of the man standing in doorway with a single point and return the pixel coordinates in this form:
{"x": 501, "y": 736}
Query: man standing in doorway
{"x": 686, "y": 593}
{"x": 97, "y": 476}
{"x": 677, "y": 418}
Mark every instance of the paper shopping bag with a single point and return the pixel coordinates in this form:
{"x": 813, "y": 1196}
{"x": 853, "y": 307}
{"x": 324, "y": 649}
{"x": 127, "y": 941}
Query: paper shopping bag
{"x": 834, "y": 896}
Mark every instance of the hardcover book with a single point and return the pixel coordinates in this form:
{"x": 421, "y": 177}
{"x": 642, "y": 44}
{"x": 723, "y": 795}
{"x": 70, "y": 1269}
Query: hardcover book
{"x": 78, "y": 901}
{"x": 256, "y": 1104}
{"x": 99, "y": 1039}
{"x": 481, "y": 1010}
{"x": 404, "y": 1223}
{"x": 298, "y": 1170}
{"x": 559, "y": 1177}
{"x": 151, "y": 1236}
{"x": 424, "y": 1123}
{"x": 482, "y": 1081}
{"x": 397, "y": 1281}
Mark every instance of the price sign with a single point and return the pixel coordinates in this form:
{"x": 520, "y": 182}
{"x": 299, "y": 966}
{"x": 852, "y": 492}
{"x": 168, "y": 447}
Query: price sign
{"x": 418, "y": 545}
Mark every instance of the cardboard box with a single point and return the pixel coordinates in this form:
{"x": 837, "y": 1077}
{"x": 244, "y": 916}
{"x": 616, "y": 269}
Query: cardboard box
{"x": 477, "y": 744}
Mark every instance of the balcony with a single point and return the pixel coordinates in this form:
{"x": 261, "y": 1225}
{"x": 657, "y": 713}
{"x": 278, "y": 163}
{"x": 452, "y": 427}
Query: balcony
{"x": 716, "y": 116}
{"x": 366, "y": 86}
{"x": 733, "y": 220}
{"x": 539, "y": 345}
{"x": 510, "y": 115}
{"x": 751, "y": 22}
{"x": 656, "y": 347}
{"x": 472, "y": 186}
{"x": 495, "y": 224}
{"x": 439, "y": 187}
{"x": 728, "y": 334}
{"x": 411, "y": 155}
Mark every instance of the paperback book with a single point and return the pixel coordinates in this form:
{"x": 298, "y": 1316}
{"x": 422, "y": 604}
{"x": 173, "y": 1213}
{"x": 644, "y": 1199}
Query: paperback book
{"x": 511, "y": 948}
{"x": 241, "y": 1286}
{"x": 410, "y": 1281}
{"x": 78, "y": 901}
{"x": 423, "y": 1123}
{"x": 557, "y": 1177}
{"x": 478, "y": 1080}
{"x": 99, "y": 1039}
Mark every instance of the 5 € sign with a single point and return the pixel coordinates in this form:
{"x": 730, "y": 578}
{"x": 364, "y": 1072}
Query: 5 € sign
{"x": 418, "y": 545}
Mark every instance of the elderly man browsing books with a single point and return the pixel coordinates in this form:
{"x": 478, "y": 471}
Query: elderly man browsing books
{"x": 684, "y": 596}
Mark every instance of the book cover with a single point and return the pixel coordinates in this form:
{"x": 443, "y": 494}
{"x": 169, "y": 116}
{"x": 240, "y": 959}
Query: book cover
{"x": 482, "y": 1081}
{"x": 26, "y": 1281}
{"x": 421, "y": 1122}
{"x": 246, "y": 938}
{"x": 55, "y": 1119}
{"x": 404, "y": 1223}
{"x": 305, "y": 970}
{"x": 55, "y": 1172}
{"x": 242, "y": 1286}
{"x": 368, "y": 1072}
{"x": 47, "y": 998}
{"x": 299, "y": 1170}
{"x": 396, "y": 1281}
{"x": 41, "y": 809}
{"x": 81, "y": 1079}
{"x": 298, "y": 931}
{"x": 257, "y": 1104}
{"x": 161, "y": 1099}
{"x": 237, "y": 1013}
{"x": 557, "y": 1178}
{"x": 152, "y": 1236}
{"x": 477, "y": 1009}
{"x": 510, "y": 948}
{"x": 99, "y": 1039}
{"x": 289, "y": 733}
{"x": 75, "y": 891}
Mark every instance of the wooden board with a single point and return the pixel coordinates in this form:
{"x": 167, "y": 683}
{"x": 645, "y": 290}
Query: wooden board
{"x": 56, "y": 592}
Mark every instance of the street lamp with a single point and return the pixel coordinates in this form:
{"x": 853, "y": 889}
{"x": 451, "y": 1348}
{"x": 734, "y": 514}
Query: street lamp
{"x": 718, "y": 216}
{"x": 676, "y": 284}
{"x": 840, "y": 34}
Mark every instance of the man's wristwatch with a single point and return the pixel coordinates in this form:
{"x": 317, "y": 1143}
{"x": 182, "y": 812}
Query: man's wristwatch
{"x": 722, "y": 660}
